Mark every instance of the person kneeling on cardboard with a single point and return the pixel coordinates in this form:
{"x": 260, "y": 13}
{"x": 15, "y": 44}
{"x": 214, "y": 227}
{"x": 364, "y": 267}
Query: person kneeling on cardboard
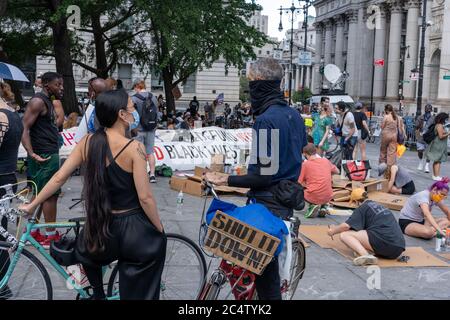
{"x": 371, "y": 228}
{"x": 316, "y": 178}
{"x": 399, "y": 179}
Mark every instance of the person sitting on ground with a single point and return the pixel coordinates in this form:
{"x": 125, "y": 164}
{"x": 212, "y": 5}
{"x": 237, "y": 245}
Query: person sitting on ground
{"x": 416, "y": 219}
{"x": 317, "y": 181}
{"x": 371, "y": 228}
{"x": 399, "y": 179}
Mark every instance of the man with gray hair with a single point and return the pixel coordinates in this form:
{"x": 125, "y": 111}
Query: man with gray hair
{"x": 279, "y": 136}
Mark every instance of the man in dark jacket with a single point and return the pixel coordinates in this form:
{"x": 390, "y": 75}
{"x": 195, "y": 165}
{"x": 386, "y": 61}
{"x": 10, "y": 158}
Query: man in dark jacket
{"x": 279, "y": 136}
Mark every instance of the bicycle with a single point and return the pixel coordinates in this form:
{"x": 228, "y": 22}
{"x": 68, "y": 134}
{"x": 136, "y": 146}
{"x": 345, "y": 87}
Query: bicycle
{"x": 242, "y": 281}
{"x": 23, "y": 275}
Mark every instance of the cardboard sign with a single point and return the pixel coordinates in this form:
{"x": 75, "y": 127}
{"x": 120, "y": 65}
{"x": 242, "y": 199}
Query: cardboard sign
{"x": 240, "y": 243}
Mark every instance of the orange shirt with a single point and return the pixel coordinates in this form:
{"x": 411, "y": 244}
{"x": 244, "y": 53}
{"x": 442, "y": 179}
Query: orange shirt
{"x": 316, "y": 178}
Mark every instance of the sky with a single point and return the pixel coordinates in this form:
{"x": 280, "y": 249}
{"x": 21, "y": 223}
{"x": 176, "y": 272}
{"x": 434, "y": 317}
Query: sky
{"x": 270, "y": 8}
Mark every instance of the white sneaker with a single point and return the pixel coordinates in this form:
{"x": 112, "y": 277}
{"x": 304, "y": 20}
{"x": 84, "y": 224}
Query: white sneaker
{"x": 427, "y": 168}
{"x": 420, "y": 167}
{"x": 365, "y": 260}
{"x": 437, "y": 178}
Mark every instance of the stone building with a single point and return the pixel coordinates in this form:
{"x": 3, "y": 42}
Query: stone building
{"x": 354, "y": 33}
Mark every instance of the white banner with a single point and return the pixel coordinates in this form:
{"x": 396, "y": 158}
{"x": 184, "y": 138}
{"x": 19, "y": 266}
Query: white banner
{"x": 185, "y": 149}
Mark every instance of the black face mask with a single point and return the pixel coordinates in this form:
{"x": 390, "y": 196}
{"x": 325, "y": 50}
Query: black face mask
{"x": 265, "y": 93}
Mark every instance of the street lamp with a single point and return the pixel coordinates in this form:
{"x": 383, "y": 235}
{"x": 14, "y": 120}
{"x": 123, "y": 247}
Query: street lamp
{"x": 294, "y": 11}
{"x": 424, "y": 26}
{"x": 305, "y": 24}
{"x": 404, "y": 54}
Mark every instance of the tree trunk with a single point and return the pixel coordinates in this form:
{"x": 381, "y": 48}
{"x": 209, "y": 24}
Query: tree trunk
{"x": 100, "y": 51}
{"x": 170, "y": 99}
{"x": 61, "y": 46}
{"x": 3, "y": 5}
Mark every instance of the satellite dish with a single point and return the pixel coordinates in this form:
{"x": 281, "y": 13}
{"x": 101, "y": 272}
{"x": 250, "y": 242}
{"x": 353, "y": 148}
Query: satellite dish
{"x": 332, "y": 73}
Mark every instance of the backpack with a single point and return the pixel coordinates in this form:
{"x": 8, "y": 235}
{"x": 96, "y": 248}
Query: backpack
{"x": 430, "y": 134}
{"x": 149, "y": 115}
{"x": 356, "y": 170}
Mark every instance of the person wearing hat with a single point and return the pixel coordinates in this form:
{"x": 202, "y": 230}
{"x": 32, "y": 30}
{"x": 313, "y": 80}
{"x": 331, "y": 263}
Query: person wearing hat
{"x": 363, "y": 131}
{"x": 370, "y": 231}
{"x": 399, "y": 179}
{"x": 423, "y": 122}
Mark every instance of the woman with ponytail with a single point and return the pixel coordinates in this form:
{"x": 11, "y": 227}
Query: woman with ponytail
{"x": 416, "y": 219}
{"x": 122, "y": 221}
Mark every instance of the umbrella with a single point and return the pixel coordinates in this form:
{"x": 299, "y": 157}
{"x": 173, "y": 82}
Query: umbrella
{"x": 10, "y": 72}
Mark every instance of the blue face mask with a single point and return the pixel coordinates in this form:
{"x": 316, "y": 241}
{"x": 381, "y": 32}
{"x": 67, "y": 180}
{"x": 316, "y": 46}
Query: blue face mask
{"x": 136, "y": 122}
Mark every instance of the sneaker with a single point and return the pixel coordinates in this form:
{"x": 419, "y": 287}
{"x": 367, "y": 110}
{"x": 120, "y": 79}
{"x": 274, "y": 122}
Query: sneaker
{"x": 50, "y": 239}
{"x": 323, "y": 211}
{"x": 313, "y": 211}
{"x": 152, "y": 179}
{"x": 420, "y": 167}
{"x": 427, "y": 168}
{"x": 36, "y": 234}
{"x": 437, "y": 178}
{"x": 365, "y": 260}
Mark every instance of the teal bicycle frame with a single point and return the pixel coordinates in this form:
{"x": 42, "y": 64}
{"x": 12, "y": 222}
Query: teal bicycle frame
{"x": 26, "y": 237}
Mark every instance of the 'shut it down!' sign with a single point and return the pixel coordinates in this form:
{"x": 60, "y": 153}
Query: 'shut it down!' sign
{"x": 240, "y": 243}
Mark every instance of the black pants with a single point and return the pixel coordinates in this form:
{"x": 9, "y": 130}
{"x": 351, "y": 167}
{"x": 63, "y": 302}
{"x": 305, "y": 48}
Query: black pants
{"x": 268, "y": 284}
{"x": 4, "y": 257}
{"x": 140, "y": 250}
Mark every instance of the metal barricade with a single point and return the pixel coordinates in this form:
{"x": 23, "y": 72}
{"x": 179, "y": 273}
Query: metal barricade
{"x": 410, "y": 128}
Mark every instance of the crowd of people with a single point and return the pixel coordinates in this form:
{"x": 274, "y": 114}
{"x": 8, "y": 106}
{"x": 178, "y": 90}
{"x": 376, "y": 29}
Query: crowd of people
{"x": 115, "y": 141}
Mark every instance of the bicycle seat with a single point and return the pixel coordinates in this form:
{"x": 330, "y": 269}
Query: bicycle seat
{"x": 78, "y": 219}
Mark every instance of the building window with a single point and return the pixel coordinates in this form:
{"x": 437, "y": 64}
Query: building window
{"x": 268, "y": 52}
{"x": 157, "y": 82}
{"x": 189, "y": 85}
{"x": 259, "y": 51}
{"x": 125, "y": 74}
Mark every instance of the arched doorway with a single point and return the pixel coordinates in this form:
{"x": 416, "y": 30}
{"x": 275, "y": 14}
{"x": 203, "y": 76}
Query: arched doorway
{"x": 434, "y": 75}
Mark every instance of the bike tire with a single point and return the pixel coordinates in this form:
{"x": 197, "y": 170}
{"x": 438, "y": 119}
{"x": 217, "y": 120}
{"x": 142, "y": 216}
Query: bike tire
{"x": 33, "y": 260}
{"x": 194, "y": 249}
{"x": 297, "y": 268}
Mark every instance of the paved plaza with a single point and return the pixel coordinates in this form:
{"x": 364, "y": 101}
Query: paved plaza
{"x": 328, "y": 275}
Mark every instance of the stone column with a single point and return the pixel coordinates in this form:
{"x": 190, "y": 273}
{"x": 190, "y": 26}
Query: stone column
{"x": 352, "y": 66}
{"x": 328, "y": 40}
{"x": 338, "y": 53}
{"x": 444, "y": 85}
{"x": 380, "y": 53}
{"x": 308, "y": 76}
{"x": 366, "y": 58}
{"x": 393, "y": 72}
{"x": 412, "y": 40}
{"x": 318, "y": 77}
{"x": 313, "y": 77}
{"x": 427, "y": 71}
{"x": 297, "y": 77}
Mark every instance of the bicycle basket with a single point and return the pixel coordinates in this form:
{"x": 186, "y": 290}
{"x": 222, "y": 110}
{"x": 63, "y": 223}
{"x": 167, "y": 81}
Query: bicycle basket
{"x": 63, "y": 251}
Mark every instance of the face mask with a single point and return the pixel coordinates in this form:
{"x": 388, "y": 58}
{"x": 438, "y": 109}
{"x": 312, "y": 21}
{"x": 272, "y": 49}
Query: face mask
{"x": 437, "y": 198}
{"x": 135, "y": 124}
{"x": 37, "y": 89}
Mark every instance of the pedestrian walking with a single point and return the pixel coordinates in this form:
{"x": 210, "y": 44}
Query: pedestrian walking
{"x": 11, "y": 130}
{"x": 145, "y": 104}
{"x": 347, "y": 130}
{"x": 423, "y": 122}
{"x": 363, "y": 131}
{"x": 41, "y": 141}
{"x": 322, "y": 126}
{"x": 437, "y": 150}
{"x": 390, "y": 126}
{"x": 122, "y": 221}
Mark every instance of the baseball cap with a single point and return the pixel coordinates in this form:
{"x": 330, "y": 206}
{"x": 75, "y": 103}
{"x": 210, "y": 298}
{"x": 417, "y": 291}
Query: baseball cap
{"x": 358, "y": 105}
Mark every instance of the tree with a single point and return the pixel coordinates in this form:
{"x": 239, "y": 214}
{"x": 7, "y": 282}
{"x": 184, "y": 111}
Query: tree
{"x": 190, "y": 35}
{"x": 244, "y": 90}
{"x": 302, "y": 95}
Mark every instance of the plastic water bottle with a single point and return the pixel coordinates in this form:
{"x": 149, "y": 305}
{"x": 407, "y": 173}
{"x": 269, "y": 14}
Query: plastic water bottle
{"x": 180, "y": 203}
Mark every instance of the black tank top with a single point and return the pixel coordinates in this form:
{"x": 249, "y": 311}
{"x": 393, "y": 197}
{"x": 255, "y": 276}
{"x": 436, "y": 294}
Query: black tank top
{"x": 44, "y": 133}
{"x": 11, "y": 141}
{"x": 122, "y": 191}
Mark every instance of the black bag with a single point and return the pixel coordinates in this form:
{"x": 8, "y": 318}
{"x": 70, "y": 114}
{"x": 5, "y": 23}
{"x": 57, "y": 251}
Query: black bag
{"x": 430, "y": 134}
{"x": 364, "y": 134}
{"x": 290, "y": 194}
{"x": 149, "y": 116}
{"x": 338, "y": 130}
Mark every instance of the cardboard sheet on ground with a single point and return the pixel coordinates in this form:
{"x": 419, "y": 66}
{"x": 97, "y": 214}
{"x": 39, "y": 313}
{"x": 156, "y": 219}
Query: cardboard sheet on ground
{"x": 418, "y": 256}
{"x": 391, "y": 201}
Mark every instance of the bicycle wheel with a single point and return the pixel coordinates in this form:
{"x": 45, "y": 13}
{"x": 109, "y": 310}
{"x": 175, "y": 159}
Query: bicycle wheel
{"x": 184, "y": 271}
{"x": 29, "y": 279}
{"x": 297, "y": 268}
